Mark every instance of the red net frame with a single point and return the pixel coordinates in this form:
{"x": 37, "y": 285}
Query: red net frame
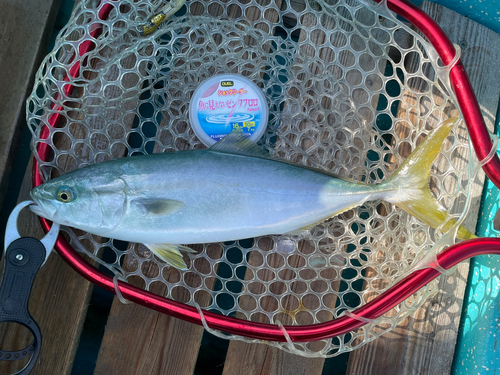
{"x": 392, "y": 297}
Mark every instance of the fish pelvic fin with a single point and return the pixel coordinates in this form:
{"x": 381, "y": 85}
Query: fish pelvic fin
{"x": 170, "y": 253}
{"x": 411, "y": 183}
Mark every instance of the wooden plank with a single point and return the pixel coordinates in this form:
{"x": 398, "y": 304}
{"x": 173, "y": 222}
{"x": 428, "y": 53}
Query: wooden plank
{"x": 483, "y": 12}
{"x": 260, "y": 358}
{"x": 425, "y": 342}
{"x": 58, "y": 304}
{"x": 56, "y": 284}
{"x": 25, "y": 27}
{"x": 138, "y": 340}
{"x": 251, "y": 359}
{"x": 254, "y": 358}
{"x": 59, "y": 296}
{"x": 155, "y": 343}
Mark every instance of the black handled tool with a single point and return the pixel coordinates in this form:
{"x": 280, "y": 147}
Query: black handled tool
{"x": 23, "y": 258}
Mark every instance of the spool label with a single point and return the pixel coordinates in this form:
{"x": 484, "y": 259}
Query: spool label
{"x": 228, "y": 105}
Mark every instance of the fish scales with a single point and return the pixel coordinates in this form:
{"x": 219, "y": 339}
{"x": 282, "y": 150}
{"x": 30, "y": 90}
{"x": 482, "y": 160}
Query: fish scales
{"x": 226, "y": 196}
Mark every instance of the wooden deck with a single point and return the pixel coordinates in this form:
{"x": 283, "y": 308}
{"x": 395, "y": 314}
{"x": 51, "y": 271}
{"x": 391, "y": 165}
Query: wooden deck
{"x": 86, "y": 331}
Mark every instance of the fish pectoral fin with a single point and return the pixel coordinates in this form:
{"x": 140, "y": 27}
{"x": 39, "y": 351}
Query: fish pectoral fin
{"x": 186, "y": 249}
{"x": 170, "y": 253}
{"x": 154, "y": 206}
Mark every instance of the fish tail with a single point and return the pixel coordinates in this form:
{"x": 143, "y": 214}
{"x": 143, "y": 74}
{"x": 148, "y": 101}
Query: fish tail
{"x": 411, "y": 183}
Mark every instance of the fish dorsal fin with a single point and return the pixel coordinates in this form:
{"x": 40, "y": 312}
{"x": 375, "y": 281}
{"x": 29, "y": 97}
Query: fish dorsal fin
{"x": 153, "y": 206}
{"x": 239, "y": 144}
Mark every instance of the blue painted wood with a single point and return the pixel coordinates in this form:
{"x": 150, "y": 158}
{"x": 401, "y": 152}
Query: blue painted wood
{"x": 477, "y": 350}
{"x": 478, "y": 346}
{"x": 485, "y": 12}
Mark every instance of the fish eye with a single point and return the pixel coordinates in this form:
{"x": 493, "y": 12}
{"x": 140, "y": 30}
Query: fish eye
{"x": 66, "y": 194}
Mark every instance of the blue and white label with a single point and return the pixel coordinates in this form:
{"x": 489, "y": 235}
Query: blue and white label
{"x": 228, "y": 103}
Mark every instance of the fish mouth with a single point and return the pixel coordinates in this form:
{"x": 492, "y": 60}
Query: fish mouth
{"x": 42, "y": 207}
{"x": 41, "y": 211}
{"x": 37, "y": 210}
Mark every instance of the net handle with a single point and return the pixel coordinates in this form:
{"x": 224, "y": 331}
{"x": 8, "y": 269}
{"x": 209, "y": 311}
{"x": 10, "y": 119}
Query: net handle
{"x": 373, "y": 309}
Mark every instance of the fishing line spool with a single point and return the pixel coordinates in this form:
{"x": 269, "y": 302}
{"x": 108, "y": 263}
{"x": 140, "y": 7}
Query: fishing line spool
{"x": 351, "y": 89}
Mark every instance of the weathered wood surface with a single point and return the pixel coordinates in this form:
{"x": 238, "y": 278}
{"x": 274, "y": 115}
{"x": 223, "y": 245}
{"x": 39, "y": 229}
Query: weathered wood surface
{"x": 142, "y": 341}
{"x": 425, "y": 342}
{"x": 155, "y": 343}
{"x": 254, "y": 358}
{"x": 59, "y": 296}
{"x": 25, "y": 27}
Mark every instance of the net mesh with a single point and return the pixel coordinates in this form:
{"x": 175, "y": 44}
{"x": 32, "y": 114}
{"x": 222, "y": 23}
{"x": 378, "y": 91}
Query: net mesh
{"x": 351, "y": 89}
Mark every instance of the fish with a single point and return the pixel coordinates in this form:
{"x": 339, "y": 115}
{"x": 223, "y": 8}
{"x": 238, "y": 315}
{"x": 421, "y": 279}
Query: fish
{"x": 230, "y": 191}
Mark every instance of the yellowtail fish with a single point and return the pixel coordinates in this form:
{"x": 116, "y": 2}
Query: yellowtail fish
{"x": 231, "y": 191}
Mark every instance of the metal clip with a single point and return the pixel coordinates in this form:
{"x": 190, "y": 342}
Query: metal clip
{"x": 167, "y": 12}
{"x": 12, "y": 234}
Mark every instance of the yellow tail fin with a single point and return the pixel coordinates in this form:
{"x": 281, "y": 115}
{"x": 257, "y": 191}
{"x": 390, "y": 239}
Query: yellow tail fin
{"x": 412, "y": 182}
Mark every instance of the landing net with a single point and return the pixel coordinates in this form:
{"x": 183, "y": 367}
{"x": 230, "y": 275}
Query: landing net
{"x": 351, "y": 89}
